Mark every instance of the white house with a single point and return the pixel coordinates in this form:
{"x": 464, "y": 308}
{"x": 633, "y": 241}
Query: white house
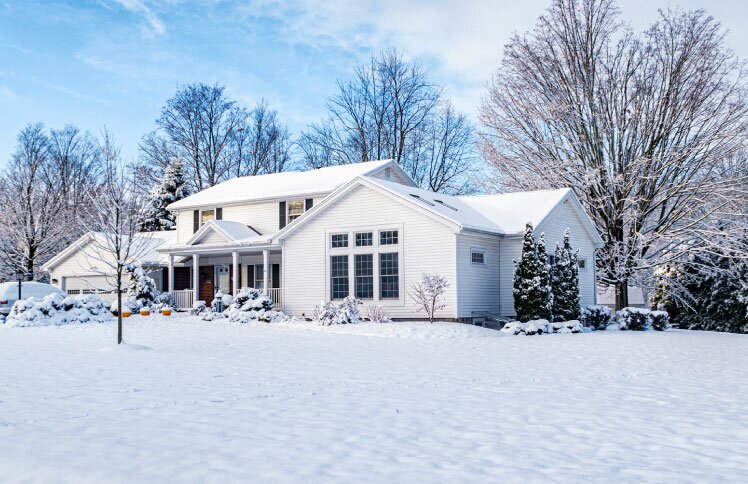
{"x": 363, "y": 229}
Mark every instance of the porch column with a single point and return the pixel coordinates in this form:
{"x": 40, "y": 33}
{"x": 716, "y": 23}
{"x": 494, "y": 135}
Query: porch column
{"x": 266, "y": 270}
{"x": 171, "y": 274}
{"x": 196, "y": 275}
{"x": 235, "y": 281}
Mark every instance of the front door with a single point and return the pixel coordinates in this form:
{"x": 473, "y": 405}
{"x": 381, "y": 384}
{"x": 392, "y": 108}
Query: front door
{"x": 223, "y": 279}
{"x": 206, "y": 275}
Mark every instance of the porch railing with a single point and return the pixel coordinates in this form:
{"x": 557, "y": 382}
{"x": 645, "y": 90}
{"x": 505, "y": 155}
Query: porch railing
{"x": 276, "y": 295}
{"x": 183, "y": 299}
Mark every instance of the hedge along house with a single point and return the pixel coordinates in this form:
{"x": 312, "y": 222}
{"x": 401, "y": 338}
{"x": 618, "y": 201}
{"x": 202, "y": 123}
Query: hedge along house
{"x": 363, "y": 230}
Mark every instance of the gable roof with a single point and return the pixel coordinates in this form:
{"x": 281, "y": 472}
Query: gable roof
{"x": 283, "y": 185}
{"x": 153, "y": 241}
{"x": 231, "y": 231}
{"x": 503, "y": 214}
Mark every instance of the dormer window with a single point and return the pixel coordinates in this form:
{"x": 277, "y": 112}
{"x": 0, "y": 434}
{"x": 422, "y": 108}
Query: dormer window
{"x": 295, "y": 209}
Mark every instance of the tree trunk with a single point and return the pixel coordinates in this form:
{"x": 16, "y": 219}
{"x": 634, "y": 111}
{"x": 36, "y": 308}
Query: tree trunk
{"x": 622, "y": 295}
{"x": 119, "y": 310}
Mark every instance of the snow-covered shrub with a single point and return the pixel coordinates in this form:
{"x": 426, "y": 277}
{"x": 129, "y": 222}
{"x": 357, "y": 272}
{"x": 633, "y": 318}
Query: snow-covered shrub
{"x": 634, "y": 319}
{"x": 344, "y": 312}
{"x": 129, "y": 303}
{"x": 542, "y": 326}
{"x": 596, "y": 316}
{"x": 161, "y": 302}
{"x": 252, "y": 305}
{"x": 428, "y": 293}
{"x": 377, "y": 314}
{"x": 198, "y": 308}
{"x": 659, "y": 320}
{"x": 56, "y": 310}
{"x": 141, "y": 286}
{"x": 573, "y": 326}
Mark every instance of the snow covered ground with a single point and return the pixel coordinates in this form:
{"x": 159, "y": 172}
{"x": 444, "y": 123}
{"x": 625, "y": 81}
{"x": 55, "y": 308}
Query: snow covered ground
{"x": 196, "y": 401}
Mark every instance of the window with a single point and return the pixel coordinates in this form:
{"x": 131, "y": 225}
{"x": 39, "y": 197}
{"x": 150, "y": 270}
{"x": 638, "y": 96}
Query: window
{"x": 295, "y": 209}
{"x": 388, "y": 237}
{"x": 582, "y": 263}
{"x": 207, "y": 215}
{"x": 477, "y": 257}
{"x": 389, "y": 282}
{"x": 339, "y": 241}
{"x": 364, "y": 276}
{"x": 339, "y": 276}
{"x": 364, "y": 239}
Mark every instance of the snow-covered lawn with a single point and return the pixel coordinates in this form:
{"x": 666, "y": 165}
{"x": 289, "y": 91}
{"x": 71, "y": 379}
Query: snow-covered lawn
{"x": 220, "y": 402}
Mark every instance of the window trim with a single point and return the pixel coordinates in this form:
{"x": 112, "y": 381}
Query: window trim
{"x": 482, "y": 252}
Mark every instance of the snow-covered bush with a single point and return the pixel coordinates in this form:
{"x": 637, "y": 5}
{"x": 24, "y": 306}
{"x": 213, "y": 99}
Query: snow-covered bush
{"x": 141, "y": 286}
{"x": 129, "y": 303}
{"x": 54, "y": 309}
{"x": 596, "y": 316}
{"x": 634, "y": 319}
{"x": 198, "y": 308}
{"x": 344, "y": 312}
{"x": 659, "y": 320}
{"x": 533, "y": 298}
{"x": 377, "y": 314}
{"x": 542, "y": 326}
{"x": 251, "y": 305}
{"x": 428, "y": 293}
{"x": 572, "y": 326}
{"x": 224, "y": 299}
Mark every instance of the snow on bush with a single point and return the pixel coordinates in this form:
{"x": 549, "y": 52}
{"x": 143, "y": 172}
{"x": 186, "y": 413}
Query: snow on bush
{"x": 55, "y": 310}
{"x": 542, "y": 326}
{"x": 659, "y": 320}
{"x": 377, "y": 314}
{"x": 344, "y": 312}
{"x": 198, "y": 308}
{"x": 596, "y": 316}
{"x": 634, "y": 319}
{"x": 252, "y": 305}
{"x": 225, "y": 300}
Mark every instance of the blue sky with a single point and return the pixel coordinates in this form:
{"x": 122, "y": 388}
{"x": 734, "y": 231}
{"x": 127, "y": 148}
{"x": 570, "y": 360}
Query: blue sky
{"x": 113, "y": 63}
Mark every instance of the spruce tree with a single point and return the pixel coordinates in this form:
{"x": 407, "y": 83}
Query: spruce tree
{"x": 171, "y": 188}
{"x": 565, "y": 282}
{"x": 531, "y": 282}
{"x": 544, "y": 293}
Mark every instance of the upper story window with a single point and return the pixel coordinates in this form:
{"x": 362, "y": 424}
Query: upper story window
{"x": 582, "y": 263}
{"x": 339, "y": 241}
{"x": 477, "y": 257}
{"x": 295, "y": 209}
{"x": 364, "y": 239}
{"x": 207, "y": 215}
{"x": 388, "y": 237}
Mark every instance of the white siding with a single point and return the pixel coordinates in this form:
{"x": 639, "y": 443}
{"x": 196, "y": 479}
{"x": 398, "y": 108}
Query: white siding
{"x": 394, "y": 176}
{"x": 211, "y": 238}
{"x": 554, "y": 226}
{"x": 426, "y": 246}
{"x": 261, "y": 216}
{"x": 477, "y": 284}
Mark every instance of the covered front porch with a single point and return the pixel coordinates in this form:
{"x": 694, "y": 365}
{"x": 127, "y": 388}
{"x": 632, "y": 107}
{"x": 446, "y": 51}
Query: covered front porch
{"x": 200, "y": 274}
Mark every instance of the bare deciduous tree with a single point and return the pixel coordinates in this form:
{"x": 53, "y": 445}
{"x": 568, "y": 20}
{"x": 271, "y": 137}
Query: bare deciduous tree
{"x": 114, "y": 215}
{"x": 390, "y": 109}
{"x": 428, "y": 294}
{"x": 638, "y": 125}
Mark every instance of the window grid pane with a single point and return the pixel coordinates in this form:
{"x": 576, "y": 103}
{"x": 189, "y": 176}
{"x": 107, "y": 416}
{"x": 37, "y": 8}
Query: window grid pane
{"x": 478, "y": 257}
{"x": 364, "y": 276}
{"x": 339, "y": 276}
{"x": 339, "y": 241}
{"x": 388, "y": 237}
{"x": 389, "y": 282}
{"x": 364, "y": 239}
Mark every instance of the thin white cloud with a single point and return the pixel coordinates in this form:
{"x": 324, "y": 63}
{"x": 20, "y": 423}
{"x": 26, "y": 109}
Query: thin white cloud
{"x": 138, "y": 7}
{"x": 7, "y": 93}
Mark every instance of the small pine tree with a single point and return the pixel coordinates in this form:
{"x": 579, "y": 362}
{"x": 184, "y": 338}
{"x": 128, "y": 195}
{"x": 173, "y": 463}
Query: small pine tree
{"x": 171, "y": 188}
{"x": 565, "y": 282}
{"x": 141, "y": 286}
{"x": 532, "y": 296}
{"x": 544, "y": 292}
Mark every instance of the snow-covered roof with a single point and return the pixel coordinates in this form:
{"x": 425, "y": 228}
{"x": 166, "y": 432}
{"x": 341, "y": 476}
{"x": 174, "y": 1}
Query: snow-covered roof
{"x": 511, "y": 211}
{"x": 281, "y": 185}
{"x": 232, "y": 231}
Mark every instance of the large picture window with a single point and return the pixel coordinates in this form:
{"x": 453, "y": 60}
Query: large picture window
{"x": 364, "y": 276}
{"x": 338, "y": 276}
{"x": 389, "y": 280}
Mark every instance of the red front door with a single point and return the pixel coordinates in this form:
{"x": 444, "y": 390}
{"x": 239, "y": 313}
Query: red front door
{"x": 206, "y": 275}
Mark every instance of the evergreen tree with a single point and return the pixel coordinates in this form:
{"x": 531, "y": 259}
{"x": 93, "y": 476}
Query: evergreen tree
{"x": 544, "y": 293}
{"x": 565, "y": 282}
{"x": 171, "y": 188}
{"x": 531, "y": 281}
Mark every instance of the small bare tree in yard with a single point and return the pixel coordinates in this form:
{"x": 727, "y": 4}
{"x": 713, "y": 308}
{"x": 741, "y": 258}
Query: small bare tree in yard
{"x": 429, "y": 292}
{"x": 115, "y": 213}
